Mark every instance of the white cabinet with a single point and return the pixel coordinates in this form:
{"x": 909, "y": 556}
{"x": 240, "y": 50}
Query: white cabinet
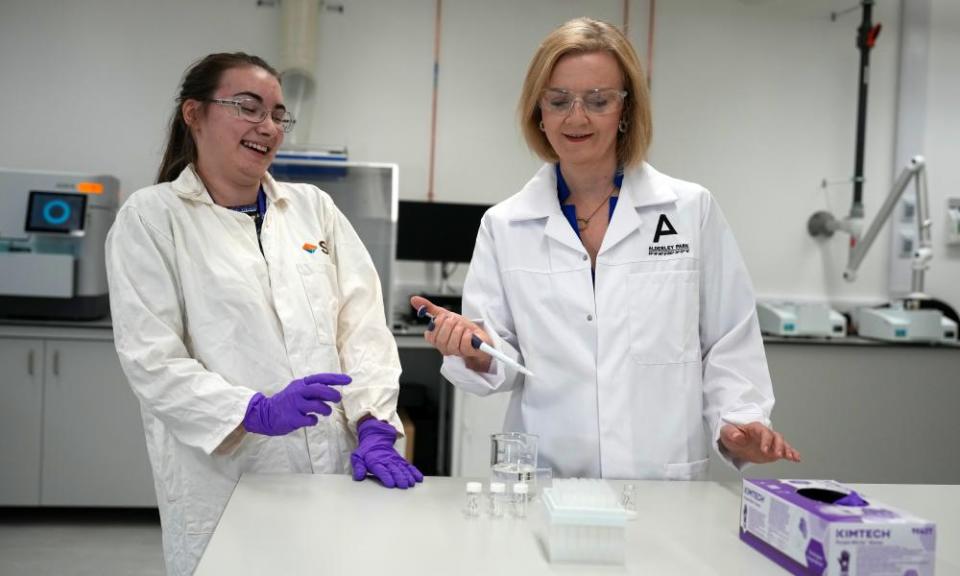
{"x": 21, "y": 421}
{"x": 71, "y": 433}
{"x": 94, "y": 452}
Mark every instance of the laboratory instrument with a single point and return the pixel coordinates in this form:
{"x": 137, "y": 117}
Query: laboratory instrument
{"x": 896, "y": 323}
{"x": 585, "y": 522}
{"x": 907, "y": 319}
{"x": 800, "y": 319}
{"x": 53, "y": 227}
{"x": 482, "y": 346}
{"x": 521, "y": 492}
{"x": 498, "y": 496}
{"x": 513, "y": 457}
{"x": 474, "y": 493}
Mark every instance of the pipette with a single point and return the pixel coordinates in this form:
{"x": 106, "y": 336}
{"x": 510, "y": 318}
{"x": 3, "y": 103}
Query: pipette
{"x": 482, "y": 346}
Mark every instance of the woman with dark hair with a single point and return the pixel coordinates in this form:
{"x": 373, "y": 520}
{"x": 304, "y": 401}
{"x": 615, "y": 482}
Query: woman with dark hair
{"x": 248, "y": 316}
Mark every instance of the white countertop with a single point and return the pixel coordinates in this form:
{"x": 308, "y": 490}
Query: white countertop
{"x": 329, "y": 524}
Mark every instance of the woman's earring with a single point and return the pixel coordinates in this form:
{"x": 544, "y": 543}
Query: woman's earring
{"x": 542, "y": 129}
{"x": 623, "y": 126}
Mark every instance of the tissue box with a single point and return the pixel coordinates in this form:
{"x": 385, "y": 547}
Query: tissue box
{"x": 800, "y": 525}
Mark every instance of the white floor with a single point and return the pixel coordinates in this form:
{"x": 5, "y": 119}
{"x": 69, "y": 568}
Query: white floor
{"x": 80, "y": 542}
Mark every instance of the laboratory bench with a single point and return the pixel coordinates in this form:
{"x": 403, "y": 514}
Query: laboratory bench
{"x": 330, "y": 524}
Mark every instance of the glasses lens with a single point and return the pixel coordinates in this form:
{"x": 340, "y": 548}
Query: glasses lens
{"x": 597, "y": 102}
{"x": 594, "y": 101}
{"x": 251, "y": 110}
{"x": 283, "y": 119}
{"x": 557, "y": 101}
{"x": 602, "y": 101}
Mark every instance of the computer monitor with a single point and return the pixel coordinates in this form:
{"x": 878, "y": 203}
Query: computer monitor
{"x": 437, "y": 231}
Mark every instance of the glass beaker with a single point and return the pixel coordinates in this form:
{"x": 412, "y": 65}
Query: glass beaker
{"x": 513, "y": 457}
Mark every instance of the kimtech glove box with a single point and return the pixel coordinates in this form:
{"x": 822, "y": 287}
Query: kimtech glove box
{"x": 823, "y": 527}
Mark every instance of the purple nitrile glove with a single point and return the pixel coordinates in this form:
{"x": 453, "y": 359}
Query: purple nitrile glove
{"x": 852, "y": 499}
{"x": 294, "y": 406}
{"x": 375, "y": 454}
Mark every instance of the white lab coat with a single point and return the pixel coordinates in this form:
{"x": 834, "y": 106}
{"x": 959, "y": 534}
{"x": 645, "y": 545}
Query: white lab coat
{"x": 203, "y": 320}
{"x": 635, "y": 374}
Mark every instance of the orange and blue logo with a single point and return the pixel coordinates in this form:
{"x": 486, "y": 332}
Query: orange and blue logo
{"x": 311, "y": 248}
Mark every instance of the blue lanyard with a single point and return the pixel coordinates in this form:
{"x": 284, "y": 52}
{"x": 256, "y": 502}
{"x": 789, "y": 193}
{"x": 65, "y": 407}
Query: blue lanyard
{"x": 261, "y": 202}
{"x": 255, "y": 211}
{"x": 259, "y": 207}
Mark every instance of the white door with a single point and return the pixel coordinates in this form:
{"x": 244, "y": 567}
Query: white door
{"x": 94, "y": 452}
{"x": 21, "y": 411}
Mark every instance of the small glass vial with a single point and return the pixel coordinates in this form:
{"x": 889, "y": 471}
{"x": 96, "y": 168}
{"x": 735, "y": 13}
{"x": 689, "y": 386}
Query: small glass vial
{"x": 474, "y": 493}
{"x": 497, "y": 496}
{"x": 628, "y": 499}
{"x": 520, "y": 499}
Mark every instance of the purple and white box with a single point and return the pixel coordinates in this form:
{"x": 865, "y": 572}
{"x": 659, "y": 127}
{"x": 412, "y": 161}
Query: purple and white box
{"x": 823, "y": 527}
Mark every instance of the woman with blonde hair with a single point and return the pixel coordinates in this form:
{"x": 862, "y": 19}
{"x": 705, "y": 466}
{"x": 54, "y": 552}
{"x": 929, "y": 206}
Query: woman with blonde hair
{"x": 619, "y": 287}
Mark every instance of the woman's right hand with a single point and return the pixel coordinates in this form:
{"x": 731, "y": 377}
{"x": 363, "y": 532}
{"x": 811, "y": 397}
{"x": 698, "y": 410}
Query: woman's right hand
{"x": 450, "y": 334}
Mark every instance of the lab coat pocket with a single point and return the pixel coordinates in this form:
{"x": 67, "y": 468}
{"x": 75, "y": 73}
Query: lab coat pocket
{"x": 321, "y": 290}
{"x": 664, "y": 316}
{"x": 696, "y": 470}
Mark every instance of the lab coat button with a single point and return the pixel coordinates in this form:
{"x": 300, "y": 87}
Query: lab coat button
{"x": 585, "y": 257}
{"x": 589, "y": 317}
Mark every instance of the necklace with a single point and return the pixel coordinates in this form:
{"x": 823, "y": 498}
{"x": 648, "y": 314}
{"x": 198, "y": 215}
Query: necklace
{"x": 582, "y": 223}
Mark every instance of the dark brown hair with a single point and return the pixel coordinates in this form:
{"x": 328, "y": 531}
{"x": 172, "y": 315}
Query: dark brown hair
{"x": 199, "y": 83}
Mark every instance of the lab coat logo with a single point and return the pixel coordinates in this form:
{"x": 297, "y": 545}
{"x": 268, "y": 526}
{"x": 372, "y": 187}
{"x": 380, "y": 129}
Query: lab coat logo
{"x": 664, "y": 228}
{"x": 311, "y": 248}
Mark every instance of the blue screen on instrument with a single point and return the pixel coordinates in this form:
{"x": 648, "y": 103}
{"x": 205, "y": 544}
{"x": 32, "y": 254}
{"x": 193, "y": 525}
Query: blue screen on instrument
{"x": 55, "y": 212}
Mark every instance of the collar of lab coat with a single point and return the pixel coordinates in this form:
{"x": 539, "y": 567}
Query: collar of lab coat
{"x": 189, "y": 186}
{"x": 642, "y": 186}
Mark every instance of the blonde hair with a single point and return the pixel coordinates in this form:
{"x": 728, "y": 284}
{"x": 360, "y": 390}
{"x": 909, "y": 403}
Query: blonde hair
{"x": 581, "y": 36}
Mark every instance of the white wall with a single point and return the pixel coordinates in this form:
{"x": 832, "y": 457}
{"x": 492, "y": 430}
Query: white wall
{"x": 758, "y": 102}
{"x": 755, "y": 100}
{"x": 943, "y": 143}
{"x": 88, "y": 85}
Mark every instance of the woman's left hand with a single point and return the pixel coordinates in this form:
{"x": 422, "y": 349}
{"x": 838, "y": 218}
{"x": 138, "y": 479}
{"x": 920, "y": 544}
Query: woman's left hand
{"x": 756, "y": 443}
